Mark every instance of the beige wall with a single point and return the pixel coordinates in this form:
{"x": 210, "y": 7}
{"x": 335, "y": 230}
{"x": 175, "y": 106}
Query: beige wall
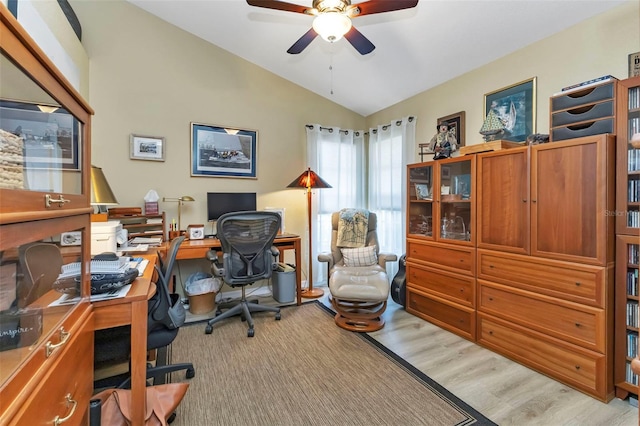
{"x": 150, "y": 78}
{"x": 598, "y": 46}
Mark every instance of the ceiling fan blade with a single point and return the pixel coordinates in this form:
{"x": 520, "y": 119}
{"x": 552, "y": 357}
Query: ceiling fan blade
{"x": 278, "y": 5}
{"x": 379, "y": 6}
{"x": 359, "y": 41}
{"x": 303, "y": 42}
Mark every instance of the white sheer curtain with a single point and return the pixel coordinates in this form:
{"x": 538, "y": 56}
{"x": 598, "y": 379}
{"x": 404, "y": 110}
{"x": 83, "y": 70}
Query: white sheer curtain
{"x": 390, "y": 150}
{"x": 337, "y": 156}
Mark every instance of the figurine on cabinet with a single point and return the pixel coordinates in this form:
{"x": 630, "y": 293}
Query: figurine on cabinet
{"x": 444, "y": 142}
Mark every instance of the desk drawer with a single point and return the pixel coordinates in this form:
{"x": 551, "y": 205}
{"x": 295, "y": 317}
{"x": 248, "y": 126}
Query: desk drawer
{"x": 571, "y": 322}
{"x": 565, "y": 280}
{"x": 458, "y": 288}
{"x": 582, "y": 369}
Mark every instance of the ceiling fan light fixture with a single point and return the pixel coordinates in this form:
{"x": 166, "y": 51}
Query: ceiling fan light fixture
{"x": 331, "y": 26}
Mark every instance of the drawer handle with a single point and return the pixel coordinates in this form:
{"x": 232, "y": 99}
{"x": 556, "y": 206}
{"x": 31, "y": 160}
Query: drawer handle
{"x": 74, "y": 404}
{"x": 524, "y": 200}
{"x": 50, "y": 347}
{"x": 491, "y": 332}
{"x": 48, "y": 200}
{"x": 578, "y": 284}
{"x": 577, "y": 367}
{"x": 490, "y": 299}
{"x": 490, "y": 266}
{"x": 578, "y": 325}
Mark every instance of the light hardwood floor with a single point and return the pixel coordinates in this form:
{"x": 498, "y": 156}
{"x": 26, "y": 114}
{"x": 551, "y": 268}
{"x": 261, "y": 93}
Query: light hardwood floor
{"x": 504, "y": 391}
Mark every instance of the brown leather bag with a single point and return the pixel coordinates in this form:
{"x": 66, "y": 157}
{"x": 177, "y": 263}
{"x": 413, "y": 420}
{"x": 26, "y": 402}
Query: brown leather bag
{"x": 162, "y": 400}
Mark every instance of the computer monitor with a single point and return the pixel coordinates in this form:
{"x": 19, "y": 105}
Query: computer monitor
{"x": 219, "y": 203}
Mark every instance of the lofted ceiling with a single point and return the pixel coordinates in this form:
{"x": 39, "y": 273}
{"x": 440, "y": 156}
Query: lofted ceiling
{"x": 416, "y": 49}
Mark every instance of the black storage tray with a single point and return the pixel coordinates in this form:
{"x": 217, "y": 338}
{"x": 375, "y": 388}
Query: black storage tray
{"x": 583, "y": 113}
{"x": 582, "y": 97}
{"x": 585, "y": 129}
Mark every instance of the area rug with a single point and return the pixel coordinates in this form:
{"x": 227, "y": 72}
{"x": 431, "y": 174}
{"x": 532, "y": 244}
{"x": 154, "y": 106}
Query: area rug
{"x": 304, "y": 370}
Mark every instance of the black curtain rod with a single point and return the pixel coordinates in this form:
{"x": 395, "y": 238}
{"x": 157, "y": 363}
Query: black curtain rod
{"x": 346, "y": 132}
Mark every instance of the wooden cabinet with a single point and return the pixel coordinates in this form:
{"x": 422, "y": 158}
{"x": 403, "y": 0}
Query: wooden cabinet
{"x": 539, "y": 286}
{"x": 627, "y": 217}
{"x": 46, "y": 371}
{"x": 535, "y": 211}
{"x": 628, "y": 177}
{"x": 545, "y": 279}
{"x": 440, "y": 252}
{"x": 626, "y": 317}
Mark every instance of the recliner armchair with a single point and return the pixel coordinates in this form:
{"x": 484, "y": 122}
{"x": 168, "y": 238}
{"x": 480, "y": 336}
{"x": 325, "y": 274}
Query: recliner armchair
{"x": 358, "y": 281}
{"x": 248, "y": 255}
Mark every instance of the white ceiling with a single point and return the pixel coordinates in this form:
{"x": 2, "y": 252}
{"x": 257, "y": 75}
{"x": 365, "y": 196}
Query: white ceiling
{"x": 416, "y": 49}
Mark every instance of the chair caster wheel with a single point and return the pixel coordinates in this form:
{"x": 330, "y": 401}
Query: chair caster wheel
{"x": 171, "y": 418}
{"x": 278, "y": 316}
{"x": 190, "y": 373}
{"x": 208, "y": 330}
{"x": 250, "y": 332}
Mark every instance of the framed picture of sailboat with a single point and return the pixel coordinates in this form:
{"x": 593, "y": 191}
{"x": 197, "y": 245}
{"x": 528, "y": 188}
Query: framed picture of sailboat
{"x": 515, "y": 106}
{"x": 218, "y": 151}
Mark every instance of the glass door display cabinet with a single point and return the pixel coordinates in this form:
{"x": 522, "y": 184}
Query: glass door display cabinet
{"x": 440, "y": 203}
{"x": 441, "y": 287}
{"x": 46, "y": 343}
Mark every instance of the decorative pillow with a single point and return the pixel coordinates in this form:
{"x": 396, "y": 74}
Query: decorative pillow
{"x": 363, "y": 256}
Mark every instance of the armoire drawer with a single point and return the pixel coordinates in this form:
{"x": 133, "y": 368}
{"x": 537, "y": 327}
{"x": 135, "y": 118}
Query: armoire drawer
{"x": 70, "y": 376}
{"x": 458, "y": 288}
{"x": 456, "y": 259}
{"x": 577, "y": 367}
{"x": 565, "y": 280}
{"x": 443, "y": 313}
{"x": 571, "y": 322}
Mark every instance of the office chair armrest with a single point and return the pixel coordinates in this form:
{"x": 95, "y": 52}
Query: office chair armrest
{"x": 383, "y": 258}
{"x": 212, "y": 255}
{"x": 275, "y": 252}
{"x": 326, "y": 257}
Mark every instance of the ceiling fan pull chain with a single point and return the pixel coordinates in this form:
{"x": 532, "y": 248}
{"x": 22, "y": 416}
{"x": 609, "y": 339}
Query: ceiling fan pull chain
{"x": 331, "y": 65}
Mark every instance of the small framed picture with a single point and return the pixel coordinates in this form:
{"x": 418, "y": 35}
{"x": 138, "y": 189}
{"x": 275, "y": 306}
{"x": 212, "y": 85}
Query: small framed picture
{"x": 422, "y": 191}
{"x": 149, "y": 148}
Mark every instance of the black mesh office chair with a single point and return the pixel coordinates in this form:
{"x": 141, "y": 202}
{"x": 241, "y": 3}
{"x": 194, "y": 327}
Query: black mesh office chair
{"x": 41, "y": 264}
{"x": 166, "y": 315}
{"x": 248, "y": 255}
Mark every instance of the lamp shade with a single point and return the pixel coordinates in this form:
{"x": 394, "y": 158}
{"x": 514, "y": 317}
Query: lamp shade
{"x": 309, "y": 179}
{"x": 101, "y": 193}
{"x": 331, "y": 25}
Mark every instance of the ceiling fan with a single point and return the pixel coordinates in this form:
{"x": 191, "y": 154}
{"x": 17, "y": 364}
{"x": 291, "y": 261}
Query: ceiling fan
{"x": 333, "y": 19}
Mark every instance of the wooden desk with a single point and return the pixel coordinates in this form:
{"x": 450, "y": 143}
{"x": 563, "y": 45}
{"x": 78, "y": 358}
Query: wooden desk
{"x": 132, "y": 309}
{"x": 197, "y": 249}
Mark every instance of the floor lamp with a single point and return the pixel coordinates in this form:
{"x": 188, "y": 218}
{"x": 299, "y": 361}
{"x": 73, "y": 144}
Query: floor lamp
{"x": 310, "y": 180}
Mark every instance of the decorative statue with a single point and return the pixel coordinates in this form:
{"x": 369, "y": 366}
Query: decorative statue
{"x": 444, "y": 142}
